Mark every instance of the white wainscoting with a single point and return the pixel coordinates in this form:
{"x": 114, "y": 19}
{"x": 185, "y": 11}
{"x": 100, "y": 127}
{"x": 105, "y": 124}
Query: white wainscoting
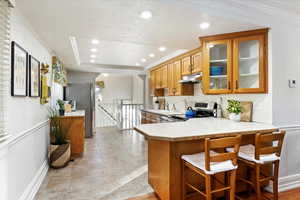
{"x": 289, "y": 177}
{"x": 289, "y": 173}
{"x": 24, "y": 163}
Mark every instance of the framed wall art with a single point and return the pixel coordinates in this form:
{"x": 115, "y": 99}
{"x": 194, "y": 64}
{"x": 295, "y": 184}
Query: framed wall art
{"x": 34, "y": 77}
{"x": 19, "y": 70}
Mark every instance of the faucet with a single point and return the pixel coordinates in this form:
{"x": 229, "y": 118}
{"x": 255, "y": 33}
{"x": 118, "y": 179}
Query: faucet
{"x": 167, "y": 106}
{"x": 186, "y": 105}
{"x": 173, "y": 107}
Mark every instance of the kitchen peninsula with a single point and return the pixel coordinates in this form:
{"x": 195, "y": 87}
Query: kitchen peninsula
{"x": 167, "y": 142}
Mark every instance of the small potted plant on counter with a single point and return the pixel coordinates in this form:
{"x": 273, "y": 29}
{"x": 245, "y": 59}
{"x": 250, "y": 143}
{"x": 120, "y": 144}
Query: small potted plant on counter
{"x": 60, "y": 148}
{"x": 61, "y": 105}
{"x": 234, "y": 109}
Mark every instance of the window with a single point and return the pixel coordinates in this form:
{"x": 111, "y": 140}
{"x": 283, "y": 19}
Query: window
{"x": 4, "y": 65}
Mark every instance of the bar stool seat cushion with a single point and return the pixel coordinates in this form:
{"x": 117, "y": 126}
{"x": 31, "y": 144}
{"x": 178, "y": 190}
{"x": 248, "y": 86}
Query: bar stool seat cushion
{"x": 198, "y": 160}
{"x": 247, "y": 152}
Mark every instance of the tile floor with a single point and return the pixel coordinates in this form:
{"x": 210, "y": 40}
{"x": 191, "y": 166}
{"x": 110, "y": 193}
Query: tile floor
{"x": 114, "y": 167}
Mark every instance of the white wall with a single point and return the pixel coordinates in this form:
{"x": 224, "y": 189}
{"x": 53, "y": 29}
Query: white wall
{"x": 26, "y": 151}
{"x": 286, "y": 101}
{"x": 138, "y": 89}
{"x": 116, "y": 87}
{"x": 81, "y": 77}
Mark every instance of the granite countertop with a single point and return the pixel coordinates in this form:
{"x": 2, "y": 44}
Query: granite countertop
{"x": 162, "y": 112}
{"x": 198, "y": 128}
{"x": 77, "y": 113}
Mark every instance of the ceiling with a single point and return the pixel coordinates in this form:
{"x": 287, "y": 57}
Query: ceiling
{"x": 124, "y": 37}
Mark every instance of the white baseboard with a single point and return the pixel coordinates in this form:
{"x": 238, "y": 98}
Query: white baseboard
{"x": 36, "y": 182}
{"x": 289, "y": 182}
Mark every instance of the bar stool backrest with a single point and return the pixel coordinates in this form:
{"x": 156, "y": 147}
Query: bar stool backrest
{"x": 265, "y": 144}
{"x": 222, "y": 143}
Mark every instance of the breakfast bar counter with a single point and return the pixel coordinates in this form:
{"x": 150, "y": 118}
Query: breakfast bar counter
{"x": 167, "y": 142}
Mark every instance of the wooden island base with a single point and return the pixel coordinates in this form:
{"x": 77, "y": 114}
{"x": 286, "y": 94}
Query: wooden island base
{"x": 164, "y": 165}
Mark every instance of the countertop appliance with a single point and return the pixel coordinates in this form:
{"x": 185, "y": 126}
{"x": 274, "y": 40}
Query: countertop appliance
{"x": 201, "y": 109}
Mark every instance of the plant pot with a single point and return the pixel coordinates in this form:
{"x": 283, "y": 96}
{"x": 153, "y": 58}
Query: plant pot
{"x": 235, "y": 117}
{"x": 61, "y": 112}
{"x": 60, "y": 155}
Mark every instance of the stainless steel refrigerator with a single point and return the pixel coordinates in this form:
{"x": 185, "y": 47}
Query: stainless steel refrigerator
{"x": 84, "y": 95}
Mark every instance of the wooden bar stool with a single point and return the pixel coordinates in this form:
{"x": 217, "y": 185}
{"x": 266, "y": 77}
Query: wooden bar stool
{"x": 266, "y": 150}
{"x": 209, "y": 163}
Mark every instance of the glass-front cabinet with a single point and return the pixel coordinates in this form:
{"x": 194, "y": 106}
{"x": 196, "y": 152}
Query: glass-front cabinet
{"x": 217, "y": 67}
{"x": 235, "y": 63}
{"x": 248, "y": 66}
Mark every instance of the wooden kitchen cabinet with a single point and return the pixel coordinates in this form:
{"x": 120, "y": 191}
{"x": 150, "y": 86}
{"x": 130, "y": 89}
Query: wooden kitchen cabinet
{"x": 158, "y": 79}
{"x": 250, "y": 64}
{"x": 74, "y": 126}
{"x": 171, "y": 86}
{"x": 191, "y": 64}
{"x": 186, "y": 66}
{"x": 164, "y": 76}
{"x": 177, "y": 78}
{"x": 169, "y": 73}
{"x": 176, "y": 88}
{"x": 161, "y": 77}
{"x": 154, "y": 91}
{"x": 152, "y": 82}
{"x": 235, "y": 62}
{"x": 217, "y": 67}
{"x": 197, "y": 63}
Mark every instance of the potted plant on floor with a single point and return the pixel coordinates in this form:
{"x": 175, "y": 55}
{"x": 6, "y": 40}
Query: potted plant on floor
{"x": 61, "y": 105}
{"x": 234, "y": 109}
{"x": 60, "y": 148}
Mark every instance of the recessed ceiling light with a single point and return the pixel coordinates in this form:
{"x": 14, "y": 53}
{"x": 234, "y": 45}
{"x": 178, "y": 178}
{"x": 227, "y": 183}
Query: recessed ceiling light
{"x": 162, "y": 48}
{"x": 105, "y": 74}
{"x": 95, "y": 41}
{"x": 143, "y": 60}
{"x": 146, "y": 14}
{"x": 94, "y": 50}
{"x": 93, "y": 56}
{"x": 92, "y": 61}
{"x": 204, "y": 25}
{"x": 137, "y": 64}
{"x": 151, "y": 55}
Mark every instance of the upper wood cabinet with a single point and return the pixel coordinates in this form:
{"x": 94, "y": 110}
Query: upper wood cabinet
{"x": 152, "y": 82}
{"x": 175, "y": 87}
{"x": 161, "y": 77}
{"x": 171, "y": 87}
{"x": 250, "y": 64}
{"x": 157, "y": 79}
{"x": 169, "y": 73}
{"x": 191, "y": 64}
{"x": 186, "y": 66}
{"x": 235, "y": 62}
{"x": 197, "y": 63}
{"x": 177, "y": 78}
{"x": 164, "y": 76}
{"x": 217, "y": 67}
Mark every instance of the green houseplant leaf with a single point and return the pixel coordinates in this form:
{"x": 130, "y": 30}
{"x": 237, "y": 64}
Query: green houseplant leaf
{"x": 234, "y": 107}
{"x": 58, "y": 135}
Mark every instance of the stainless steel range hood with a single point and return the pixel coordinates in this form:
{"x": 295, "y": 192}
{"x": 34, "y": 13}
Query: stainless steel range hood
{"x": 194, "y": 78}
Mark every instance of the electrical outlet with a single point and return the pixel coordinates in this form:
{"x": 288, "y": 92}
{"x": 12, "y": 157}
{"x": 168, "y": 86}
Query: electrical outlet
{"x": 292, "y": 83}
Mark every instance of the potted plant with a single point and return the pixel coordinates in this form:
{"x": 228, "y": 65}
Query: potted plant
{"x": 61, "y": 105}
{"x": 234, "y": 109}
{"x": 60, "y": 148}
